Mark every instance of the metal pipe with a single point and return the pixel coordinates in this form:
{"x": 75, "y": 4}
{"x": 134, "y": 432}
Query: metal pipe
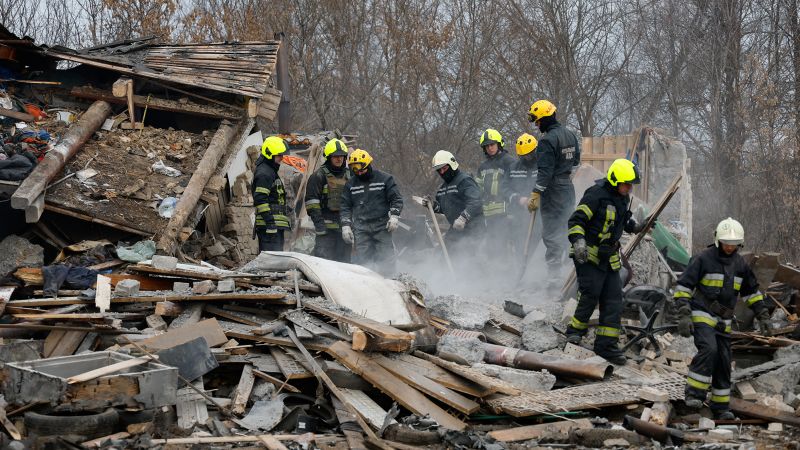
{"x": 653, "y": 431}
{"x": 282, "y": 69}
{"x": 521, "y": 359}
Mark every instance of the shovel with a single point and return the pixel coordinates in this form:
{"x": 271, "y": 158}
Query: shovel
{"x": 526, "y": 254}
{"x": 438, "y": 233}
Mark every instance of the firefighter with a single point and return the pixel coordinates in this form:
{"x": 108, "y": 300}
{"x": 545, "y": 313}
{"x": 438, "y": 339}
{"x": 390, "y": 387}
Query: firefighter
{"x": 460, "y": 200}
{"x": 492, "y": 177}
{"x": 594, "y": 230}
{"x": 521, "y": 177}
{"x": 269, "y": 196}
{"x": 323, "y": 202}
{"x": 559, "y": 153}
{"x": 370, "y": 212}
{"x": 705, "y": 297}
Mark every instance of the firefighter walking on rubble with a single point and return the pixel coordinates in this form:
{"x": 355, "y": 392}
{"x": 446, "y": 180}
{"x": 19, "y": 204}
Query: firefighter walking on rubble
{"x": 595, "y": 229}
{"x": 459, "y": 200}
{"x": 559, "y": 155}
{"x": 323, "y": 202}
{"x": 269, "y": 196}
{"x": 492, "y": 177}
{"x": 705, "y": 297}
{"x": 370, "y": 212}
{"x": 522, "y": 175}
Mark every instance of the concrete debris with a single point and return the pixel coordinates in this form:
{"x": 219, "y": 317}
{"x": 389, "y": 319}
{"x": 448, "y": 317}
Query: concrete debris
{"x": 611, "y": 443}
{"x": 538, "y": 334}
{"x": 180, "y": 286}
{"x": 706, "y": 424}
{"x": 226, "y": 285}
{"x": 780, "y": 381}
{"x": 463, "y": 313}
{"x": 524, "y": 380}
{"x": 203, "y": 287}
{"x": 461, "y": 350}
{"x": 126, "y": 288}
{"x": 17, "y": 252}
{"x": 164, "y": 262}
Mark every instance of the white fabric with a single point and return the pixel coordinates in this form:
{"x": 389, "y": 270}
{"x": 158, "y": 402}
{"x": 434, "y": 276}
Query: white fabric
{"x": 355, "y": 287}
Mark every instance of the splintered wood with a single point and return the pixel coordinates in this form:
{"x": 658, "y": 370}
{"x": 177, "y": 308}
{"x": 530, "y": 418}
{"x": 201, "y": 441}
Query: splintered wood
{"x": 588, "y": 396}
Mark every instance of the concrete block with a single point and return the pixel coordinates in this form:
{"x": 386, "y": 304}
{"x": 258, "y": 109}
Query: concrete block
{"x": 652, "y": 394}
{"x": 461, "y": 350}
{"x": 706, "y": 424}
{"x": 216, "y": 250}
{"x": 775, "y": 426}
{"x": 126, "y": 288}
{"x": 180, "y": 286}
{"x": 746, "y": 391}
{"x": 156, "y": 322}
{"x": 226, "y": 285}
{"x": 164, "y": 262}
{"x": 203, "y": 287}
{"x": 721, "y": 434}
{"x": 610, "y": 443}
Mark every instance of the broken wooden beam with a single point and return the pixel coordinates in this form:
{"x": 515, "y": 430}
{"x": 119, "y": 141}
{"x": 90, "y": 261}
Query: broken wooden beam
{"x": 373, "y": 327}
{"x": 529, "y": 432}
{"x": 243, "y": 390}
{"x": 56, "y": 159}
{"x": 266, "y": 298}
{"x": 192, "y": 108}
{"x": 25, "y": 117}
{"x": 226, "y": 136}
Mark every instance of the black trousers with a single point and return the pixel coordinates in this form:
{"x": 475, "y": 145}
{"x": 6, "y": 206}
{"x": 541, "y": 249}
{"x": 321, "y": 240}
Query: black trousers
{"x": 331, "y": 246}
{"x": 711, "y": 366}
{"x": 375, "y": 249}
{"x": 601, "y": 285}
{"x": 557, "y": 204}
{"x": 269, "y": 242}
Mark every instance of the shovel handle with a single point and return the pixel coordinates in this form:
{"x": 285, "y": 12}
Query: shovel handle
{"x": 441, "y": 240}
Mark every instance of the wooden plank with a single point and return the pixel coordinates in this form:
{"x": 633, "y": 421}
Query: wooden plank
{"x": 315, "y": 326}
{"x": 266, "y": 298}
{"x": 428, "y": 386}
{"x": 191, "y": 406}
{"x": 107, "y": 370}
{"x": 32, "y": 276}
{"x": 279, "y": 385}
{"x": 355, "y": 440}
{"x": 194, "y": 274}
{"x": 371, "y": 326}
{"x": 443, "y": 377}
{"x": 208, "y": 329}
{"x": 62, "y": 343}
{"x": 271, "y": 443}
{"x": 745, "y": 408}
{"x": 381, "y": 378}
{"x": 369, "y": 410}
{"x": 5, "y": 295}
{"x": 536, "y": 431}
{"x": 241, "y": 395}
{"x": 243, "y": 318}
{"x": 471, "y": 374}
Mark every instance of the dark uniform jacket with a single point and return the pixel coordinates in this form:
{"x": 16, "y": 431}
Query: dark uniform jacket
{"x": 712, "y": 281}
{"x": 600, "y": 218}
{"x": 559, "y": 154}
{"x": 269, "y": 196}
{"x": 492, "y": 177}
{"x": 324, "y": 197}
{"x": 460, "y": 196}
{"x": 367, "y": 202}
{"x": 521, "y": 179}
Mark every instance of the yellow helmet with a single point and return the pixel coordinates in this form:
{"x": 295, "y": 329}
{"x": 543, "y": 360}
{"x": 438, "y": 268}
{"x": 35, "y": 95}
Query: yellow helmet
{"x": 526, "y": 144}
{"x": 541, "y": 108}
{"x": 273, "y": 146}
{"x": 335, "y": 147}
{"x": 359, "y": 157}
{"x": 491, "y": 136}
{"x": 623, "y": 171}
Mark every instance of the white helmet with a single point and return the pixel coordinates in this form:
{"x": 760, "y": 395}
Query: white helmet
{"x": 443, "y": 157}
{"x": 729, "y": 232}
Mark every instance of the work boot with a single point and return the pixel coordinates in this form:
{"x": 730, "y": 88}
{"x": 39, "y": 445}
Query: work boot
{"x": 724, "y": 415}
{"x": 693, "y": 402}
{"x": 574, "y": 338}
{"x": 618, "y": 359}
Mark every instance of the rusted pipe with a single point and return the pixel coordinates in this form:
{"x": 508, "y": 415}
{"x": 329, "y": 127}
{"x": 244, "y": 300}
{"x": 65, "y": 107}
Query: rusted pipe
{"x": 660, "y": 433}
{"x": 521, "y": 359}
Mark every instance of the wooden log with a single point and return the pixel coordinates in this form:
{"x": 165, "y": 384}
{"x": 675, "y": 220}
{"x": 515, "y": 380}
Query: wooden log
{"x": 161, "y": 104}
{"x": 271, "y": 443}
{"x": 363, "y": 342}
{"x": 54, "y": 161}
{"x": 25, "y": 117}
{"x": 207, "y": 167}
{"x": 243, "y": 390}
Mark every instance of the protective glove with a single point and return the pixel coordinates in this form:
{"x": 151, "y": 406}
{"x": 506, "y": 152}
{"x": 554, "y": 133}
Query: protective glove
{"x": 763, "y": 321}
{"x": 392, "y": 224}
{"x": 534, "y": 202}
{"x": 426, "y": 200}
{"x": 635, "y": 227}
{"x": 523, "y": 201}
{"x": 347, "y": 234}
{"x": 580, "y": 252}
{"x": 685, "y": 326}
{"x": 460, "y": 223}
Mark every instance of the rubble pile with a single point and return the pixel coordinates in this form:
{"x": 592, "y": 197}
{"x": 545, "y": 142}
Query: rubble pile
{"x": 156, "y": 352}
